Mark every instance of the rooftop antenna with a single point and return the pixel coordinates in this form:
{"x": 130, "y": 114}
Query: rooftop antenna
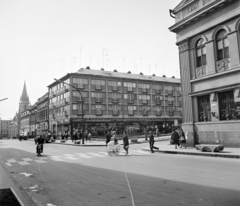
{"x": 90, "y": 60}
{"x": 61, "y": 66}
{"x": 80, "y": 53}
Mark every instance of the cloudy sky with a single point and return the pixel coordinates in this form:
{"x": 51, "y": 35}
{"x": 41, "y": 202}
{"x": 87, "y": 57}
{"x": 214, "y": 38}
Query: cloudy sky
{"x": 44, "y": 39}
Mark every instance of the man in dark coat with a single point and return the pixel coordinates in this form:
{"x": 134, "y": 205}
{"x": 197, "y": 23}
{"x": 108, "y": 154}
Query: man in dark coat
{"x": 108, "y": 137}
{"x": 175, "y": 138}
{"x": 125, "y": 142}
{"x": 151, "y": 142}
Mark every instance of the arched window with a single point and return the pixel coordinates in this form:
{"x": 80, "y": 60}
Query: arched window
{"x": 222, "y": 45}
{"x": 201, "y": 53}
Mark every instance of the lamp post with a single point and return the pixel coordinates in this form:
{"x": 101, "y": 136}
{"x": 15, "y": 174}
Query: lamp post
{"x": 3, "y": 99}
{"x": 82, "y": 105}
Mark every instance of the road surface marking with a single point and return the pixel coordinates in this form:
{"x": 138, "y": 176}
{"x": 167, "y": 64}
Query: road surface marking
{"x": 57, "y": 159}
{"x": 11, "y": 160}
{"x": 71, "y": 158}
{"x": 95, "y": 154}
{"x": 40, "y": 161}
{"x": 8, "y": 164}
{"x": 69, "y": 155}
{"x": 23, "y": 163}
{"x": 26, "y": 159}
{"x": 43, "y": 158}
{"x": 83, "y": 155}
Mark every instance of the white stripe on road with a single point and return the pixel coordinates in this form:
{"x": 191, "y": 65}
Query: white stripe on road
{"x": 69, "y": 155}
{"x": 11, "y": 160}
{"x": 83, "y": 155}
{"x": 23, "y": 163}
{"x": 8, "y": 164}
{"x": 40, "y": 161}
{"x": 26, "y": 159}
{"x": 95, "y": 154}
{"x": 71, "y": 158}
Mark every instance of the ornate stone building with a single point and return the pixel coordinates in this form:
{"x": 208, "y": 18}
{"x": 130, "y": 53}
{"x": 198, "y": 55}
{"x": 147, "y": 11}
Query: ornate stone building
{"x": 208, "y": 37}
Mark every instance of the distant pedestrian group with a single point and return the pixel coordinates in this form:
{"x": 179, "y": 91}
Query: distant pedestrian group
{"x": 178, "y": 137}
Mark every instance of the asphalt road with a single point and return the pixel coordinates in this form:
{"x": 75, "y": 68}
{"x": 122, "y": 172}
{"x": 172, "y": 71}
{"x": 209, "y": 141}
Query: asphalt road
{"x": 79, "y": 176}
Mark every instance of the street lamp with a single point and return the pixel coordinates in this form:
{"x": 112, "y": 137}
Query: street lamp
{"x": 82, "y": 106}
{"x": 3, "y": 99}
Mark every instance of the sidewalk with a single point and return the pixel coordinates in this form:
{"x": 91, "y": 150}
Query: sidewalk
{"x": 166, "y": 147}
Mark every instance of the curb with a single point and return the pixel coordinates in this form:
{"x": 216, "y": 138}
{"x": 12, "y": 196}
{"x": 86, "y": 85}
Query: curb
{"x": 196, "y": 154}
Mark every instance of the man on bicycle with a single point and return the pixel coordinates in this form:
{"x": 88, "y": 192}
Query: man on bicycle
{"x": 40, "y": 141}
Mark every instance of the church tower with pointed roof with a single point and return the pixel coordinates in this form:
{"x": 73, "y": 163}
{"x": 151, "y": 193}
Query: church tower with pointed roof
{"x": 24, "y": 100}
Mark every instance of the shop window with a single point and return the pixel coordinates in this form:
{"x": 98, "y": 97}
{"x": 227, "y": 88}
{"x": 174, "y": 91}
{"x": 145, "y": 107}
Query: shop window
{"x": 204, "y": 109}
{"x": 227, "y": 106}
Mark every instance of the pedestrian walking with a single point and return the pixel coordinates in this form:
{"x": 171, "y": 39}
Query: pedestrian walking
{"x": 90, "y": 136}
{"x": 114, "y": 138}
{"x": 175, "y": 138}
{"x": 85, "y": 135}
{"x": 108, "y": 138}
{"x": 151, "y": 142}
{"x": 125, "y": 142}
{"x": 182, "y": 137}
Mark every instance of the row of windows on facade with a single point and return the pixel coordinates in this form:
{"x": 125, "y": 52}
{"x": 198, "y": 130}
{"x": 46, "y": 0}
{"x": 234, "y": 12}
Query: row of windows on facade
{"x": 228, "y": 108}
{"x": 80, "y": 82}
{"x": 222, "y": 47}
{"x": 77, "y": 107}
{"x": 115, "y": 96}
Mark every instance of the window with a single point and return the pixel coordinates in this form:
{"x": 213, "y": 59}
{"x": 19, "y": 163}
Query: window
{"x": 204, "y": 109}
{"x": 131, "y": 109}
{"x": 143, "y": 86}
{"x": 222, "y": 45}
{"x": 227, "y": 106}
{"x": 129, "y": 97}
{"x": 201, "y": 53}
{"x": 114, "y": 83}
{"x": 80, "y": 82}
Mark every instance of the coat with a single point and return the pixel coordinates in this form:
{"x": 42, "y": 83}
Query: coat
{"x": 151, "y": 139}
{"x": 125, "y": 140}
{"x": 175, "y": 137}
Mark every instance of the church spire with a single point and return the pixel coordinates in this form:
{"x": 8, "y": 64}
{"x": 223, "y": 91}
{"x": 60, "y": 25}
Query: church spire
{"x": 24, "y": 97}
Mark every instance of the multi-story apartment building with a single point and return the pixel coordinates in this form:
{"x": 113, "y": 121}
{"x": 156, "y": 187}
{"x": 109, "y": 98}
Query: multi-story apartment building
{"x": 33, "y": 120}
{"x": 25, "y": 123}
{"x": 208, "y": 38}
{"x": 4, "y": 124}
{"x": 42, "y": 115}
{"x": 113, "y": 100}
{"x": 13, "y": 127}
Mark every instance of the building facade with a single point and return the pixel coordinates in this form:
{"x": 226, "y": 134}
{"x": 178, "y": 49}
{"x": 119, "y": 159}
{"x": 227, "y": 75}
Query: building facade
{"x": 113, "y": 100}
{"x": 4, "y": 124}
{"x": 208, "y": 38}
{"x": 33, "y": 120}
{"x": 23, "y": 106}
{"x": 42, "y": 115}
{"x": 13, "y": 127}
{"x": 25, "y": 123}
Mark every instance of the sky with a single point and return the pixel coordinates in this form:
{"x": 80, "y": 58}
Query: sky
{"x": 45, "y": 39}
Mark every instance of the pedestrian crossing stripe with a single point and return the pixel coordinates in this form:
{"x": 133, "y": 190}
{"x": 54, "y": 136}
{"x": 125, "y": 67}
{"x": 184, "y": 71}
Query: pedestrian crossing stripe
{"x": 65, "y": 157}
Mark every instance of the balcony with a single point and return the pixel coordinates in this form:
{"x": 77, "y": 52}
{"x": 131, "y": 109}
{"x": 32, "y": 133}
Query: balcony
{"x": 66, "y": 100}
{"x": 171, "y": 114}
{"x": 201, "y": 71}
{"x": 114, "y": 88}
{"x": 158, "y": 102}
{"x": 130, "y": 102}
{"x": 130, "y": 113}
{"x": 98, "y": 87}
{"x": 80, "y": 113}
{"x": 144, "y": 90}
{"x": 66, "y": 113}
{"x": 144, "y": 101}
{"x": 158, "y": 91}
{"x": 170, "y": 92}
{"x": 158, "y": 113}
{"x": 99, "y": 100}
{"x": 145, "y": 113}
{"x": 222, "y": 65}
{"x": 115, "y": 113}
{"x": 130, "y": 89}
{"x": 170, "y": 102}
{"x": 115, "y": 101}
{"x": 99, "y": 113}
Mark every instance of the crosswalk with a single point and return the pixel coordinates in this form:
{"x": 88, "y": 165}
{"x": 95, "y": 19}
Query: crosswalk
{"x": 67, "y": 157}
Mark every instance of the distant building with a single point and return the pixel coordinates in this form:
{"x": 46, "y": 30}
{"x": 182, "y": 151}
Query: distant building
{"x": 208, "y": 38}
{"x": 4, "y": 128}
{"x": 23, "y": 106}
{"x": 114, "y": 100}
{"x": 13, "y": 127}
{"x": 33, "y": 120}
{"x": 42, "y": 115}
